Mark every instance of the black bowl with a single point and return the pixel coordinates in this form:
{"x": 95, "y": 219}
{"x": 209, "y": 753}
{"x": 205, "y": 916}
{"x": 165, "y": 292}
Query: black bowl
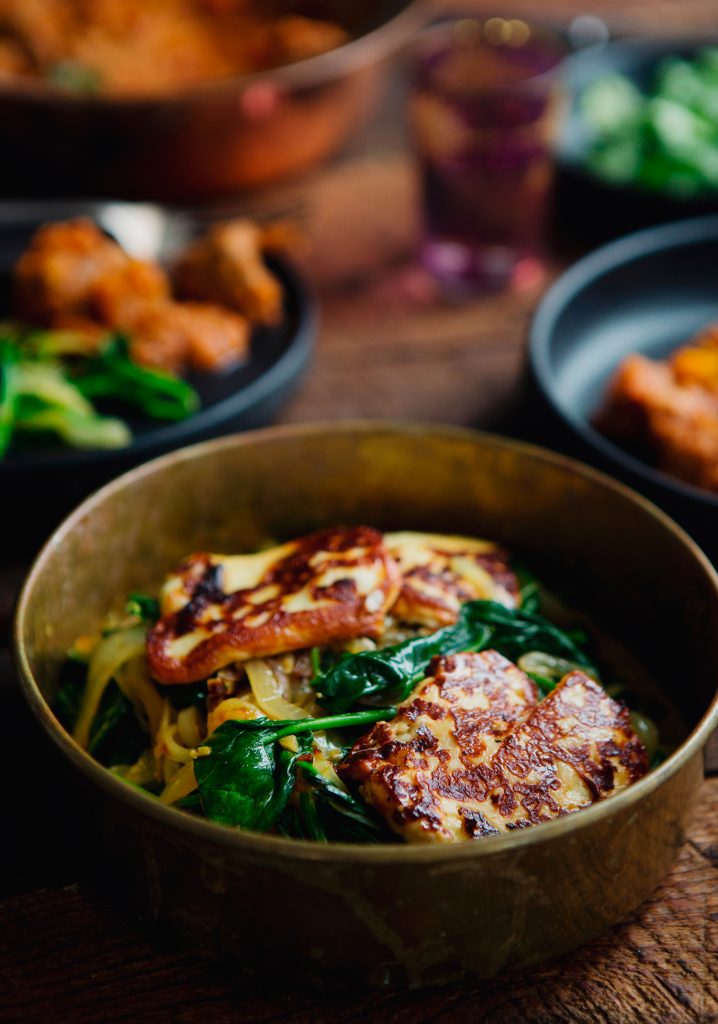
{"x": 40, "y": 486}
{"x": 646, "y": 293}
{"x": 591, "y": 209}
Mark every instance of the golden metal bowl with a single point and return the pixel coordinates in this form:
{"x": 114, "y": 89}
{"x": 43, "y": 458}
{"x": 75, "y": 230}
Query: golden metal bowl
{"x": 210, "y": 139}
{"x": 390, "y": 914}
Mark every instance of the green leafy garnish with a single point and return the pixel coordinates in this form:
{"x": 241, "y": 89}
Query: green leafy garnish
{"x": 112, "y": 374}
{"x": 338, "y": 815}
{"x": 247, "y": 777}
{"x": 75, "y": 77}
{"x": 145, "y": 608}
{"x": 397, "y": 669}
{"x": 50, "y": 379}
{"x": 664, "y": 140}
{"x": 394, "y": 671}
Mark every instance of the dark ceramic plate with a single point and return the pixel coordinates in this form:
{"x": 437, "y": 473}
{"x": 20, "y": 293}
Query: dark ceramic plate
{"x": 647, "y": 293}
{"x": 43, "y": 483}
{"x": 588, "y": 206}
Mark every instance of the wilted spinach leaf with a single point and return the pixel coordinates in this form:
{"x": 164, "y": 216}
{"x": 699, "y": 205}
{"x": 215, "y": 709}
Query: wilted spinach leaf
{"x": 394, "y": 671}
{"x": 248, "y": 776}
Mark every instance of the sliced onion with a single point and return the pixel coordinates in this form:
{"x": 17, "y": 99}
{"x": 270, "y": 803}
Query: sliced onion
{"x": 166, "y": 744}
{"x": 134, "y": 682}
{"x": 550, "y": 666}
{"x": 141, "y": 773}
{"x": 189, "y": 726}
{"x": 326, "y": 769}
{"x": 647, "y": 731}
{"x": 181, "y": 785}
{"x": 108, "y": 657}
{"x": 267, "y": 692}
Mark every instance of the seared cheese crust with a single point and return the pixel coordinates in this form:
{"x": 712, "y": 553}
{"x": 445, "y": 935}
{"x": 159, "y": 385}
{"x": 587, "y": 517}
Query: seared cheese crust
{"x": 333, "y": 585}
{"x": 445, "y": 771}
{"x": 440, "y": 572}
{"x": 420, "y": 770}
{"x": 577, "y": 747}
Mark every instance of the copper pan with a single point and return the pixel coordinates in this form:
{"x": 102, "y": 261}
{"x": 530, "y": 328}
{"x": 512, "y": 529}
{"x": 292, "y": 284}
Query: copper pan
{"x": 209, "y": 140}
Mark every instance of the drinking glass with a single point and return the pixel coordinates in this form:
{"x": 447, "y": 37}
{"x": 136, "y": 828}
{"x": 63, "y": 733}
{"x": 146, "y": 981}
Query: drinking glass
{"x": 483, "y": 110}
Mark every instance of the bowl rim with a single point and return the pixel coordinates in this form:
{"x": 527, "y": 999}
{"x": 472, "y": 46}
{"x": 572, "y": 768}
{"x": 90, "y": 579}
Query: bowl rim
{"x": 255, "y": 843}
{"x": 359, "y": 51}
{"x": 567, "y": 288}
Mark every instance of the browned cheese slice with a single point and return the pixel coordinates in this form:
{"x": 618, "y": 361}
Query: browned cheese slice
{"x": 440, "y": 572}
{"x": 577, "y": 747}
{"x": 422, "y": 771}
{"x": 333, "y": 585}
{"x": 472, "y": 754}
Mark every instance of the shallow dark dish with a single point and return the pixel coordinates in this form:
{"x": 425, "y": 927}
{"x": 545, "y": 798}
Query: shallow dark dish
{"x": 590, "y": 208}
{"x": 646, "y": 293}
{"x": 211, "y": 139}
{"x": 389, "y": 914}
{"x": 46, "y": 483}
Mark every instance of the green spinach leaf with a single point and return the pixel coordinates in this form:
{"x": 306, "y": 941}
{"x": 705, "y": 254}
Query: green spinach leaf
{"x": 145, "y": 608}
{"x": 394, "y": 671}
{"x": 248, "y": 777}
{"x": 339, "y": 815}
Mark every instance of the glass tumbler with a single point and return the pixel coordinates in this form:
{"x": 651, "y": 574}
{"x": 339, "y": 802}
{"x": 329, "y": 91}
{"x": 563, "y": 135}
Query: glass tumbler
{"x": 483, "y": 111}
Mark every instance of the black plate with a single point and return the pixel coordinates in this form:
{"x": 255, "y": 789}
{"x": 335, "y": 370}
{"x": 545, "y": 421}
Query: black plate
{"x": 646, "y": 293}
{"x": 590, "y": 208}
{"x": 38, "y": 487}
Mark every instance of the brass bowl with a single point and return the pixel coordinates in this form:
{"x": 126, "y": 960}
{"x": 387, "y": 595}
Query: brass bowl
{"x": 390, "y": 914}
{"x": 207, "y": 140}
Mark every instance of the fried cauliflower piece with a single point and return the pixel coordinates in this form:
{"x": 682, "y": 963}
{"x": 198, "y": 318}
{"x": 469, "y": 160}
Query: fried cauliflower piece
{"x": 332, "y": 585}
{"x": 675, "y": 424}
{"x": 73, "y": 276}
{"x": 226, "y": 266}
{"x": 119, "y": 295}
{"x": 57, "y": 273}
{"x": 440, "y": 572}
{"x": 172, "y": 335}
{"x": 293, "y": 38}
{"x": 426, "y": 772}
{"x": 698, "y": 363}
{"x": 471, "y": 753}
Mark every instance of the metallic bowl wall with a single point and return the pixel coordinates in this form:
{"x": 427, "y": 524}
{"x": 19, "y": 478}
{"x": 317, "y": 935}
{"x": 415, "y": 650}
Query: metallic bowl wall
{"x": 391, "y": 914}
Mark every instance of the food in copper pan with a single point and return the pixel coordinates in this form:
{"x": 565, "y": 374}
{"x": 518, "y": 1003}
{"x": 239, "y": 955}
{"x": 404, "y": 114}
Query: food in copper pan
{"x": 152, "y": 47}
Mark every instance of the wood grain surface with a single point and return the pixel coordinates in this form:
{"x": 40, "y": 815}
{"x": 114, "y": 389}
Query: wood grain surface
{"x": 389, "y": 347}
{"x": 65, "y": 956}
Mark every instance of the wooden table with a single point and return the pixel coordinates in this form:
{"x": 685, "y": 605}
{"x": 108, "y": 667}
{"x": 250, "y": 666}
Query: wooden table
{"x": 389, "y": 347}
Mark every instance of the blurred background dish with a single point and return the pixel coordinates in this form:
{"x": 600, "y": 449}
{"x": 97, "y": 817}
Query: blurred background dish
{"x": 209, "y": 138}
{"x": 649, "y": 293}
{"x": 484, "y": 113}
{"x": 46, "y": 481}
{"x": 639, "y": 144}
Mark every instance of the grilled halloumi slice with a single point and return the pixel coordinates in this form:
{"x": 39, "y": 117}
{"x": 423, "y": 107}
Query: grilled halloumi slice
{"x": 333, "y": 585}
{"x": 576, "y": 747}
{"x": 440, "y": 572}
{"x": 422, "y": 770}
{"x": 433, "y": 782}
